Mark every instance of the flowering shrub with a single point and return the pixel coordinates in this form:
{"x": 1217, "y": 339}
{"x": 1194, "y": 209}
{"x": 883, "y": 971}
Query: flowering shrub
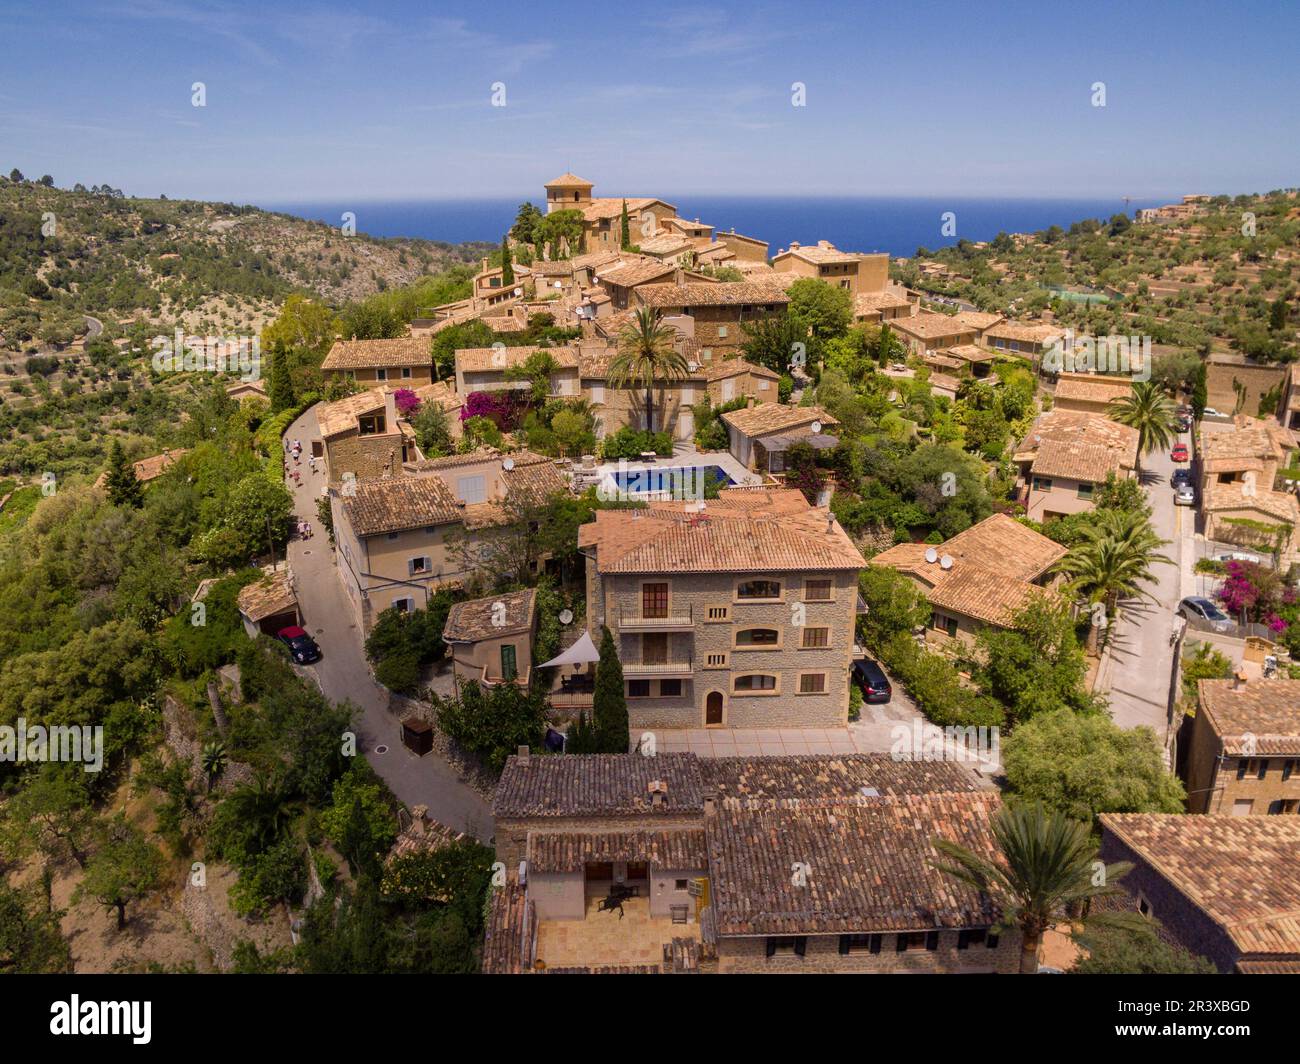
{"x": 502, "y": 408}
{"x": 1257, "y": 592}
{"x": 406, "y": 400}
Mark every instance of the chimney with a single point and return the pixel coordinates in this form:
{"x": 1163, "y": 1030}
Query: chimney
{"x": 390, "y": 409}
{"x": 658, "y": 793}
{"x": 523, "y": 754}
{"x": 1238, "y": 680}
{"x": 830, "y": 523}
{"x": 749, "y": 401}
{"x": 678, "y": 276}
{"x": 794, "y": 245}
{"x": 419, "y": 818}
{"x": 710, "y": 802}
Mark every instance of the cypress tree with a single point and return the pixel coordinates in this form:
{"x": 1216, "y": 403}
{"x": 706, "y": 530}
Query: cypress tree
{"x": 123, "y": 488}
{"x": 281, "y": 387}
{"x": 507, "y": 267}
{"x": 625, "y": 229}
{"x": 609, "y": 702}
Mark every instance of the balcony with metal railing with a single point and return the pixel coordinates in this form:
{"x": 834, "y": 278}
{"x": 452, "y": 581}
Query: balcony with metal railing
{"x": 661, "y": 620}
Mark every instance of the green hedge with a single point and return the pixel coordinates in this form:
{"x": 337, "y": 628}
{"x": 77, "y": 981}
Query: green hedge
{"x": 936, "y": 686}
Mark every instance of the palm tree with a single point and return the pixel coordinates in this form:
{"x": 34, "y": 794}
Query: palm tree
{"x": 1113, "y": 560}
{"x": 646, "y": 353}
{"x": 1046, "y": 871}
{"x": 1147, "y": 409}
{"x": 214, "y": 761}
{"x": 264, "y": 806}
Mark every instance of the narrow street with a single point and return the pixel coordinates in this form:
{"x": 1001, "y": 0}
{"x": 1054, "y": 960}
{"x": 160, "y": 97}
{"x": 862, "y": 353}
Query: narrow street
{"x": 343, "y": 673}
{"x": 1141, "y": 672}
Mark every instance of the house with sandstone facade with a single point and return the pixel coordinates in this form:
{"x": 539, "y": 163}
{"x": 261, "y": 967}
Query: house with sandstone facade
{"x": 735, "y": 612}
{"x": 739, "y": 864}
{"x": 406, "y": 361}
{"x": 1067, "y": 456}
{"x": 1242, "y": 752}
{"x": 856, "y": 273}
{"x": 365, "y": 435}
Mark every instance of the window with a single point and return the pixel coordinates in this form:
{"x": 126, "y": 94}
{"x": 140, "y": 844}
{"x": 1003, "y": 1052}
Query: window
{"x": 914, "y": 940}
{"x": 758, "y": 637}
{"x": 392, "y": 536}
{"x": 471, "y": 489}
{"x": 419, "y": 565}
{"x": 688, "y": 394}
{"x": 404, "y": 605}
{"x": 940, "y": 623}
{"x": 715, "y": 661}
{"x": 812, "y": 683}
{"x": 1249, "y": 766}
{"x": 972, "y": 937}
{"x": 706, "y": 354}
{"x": 1243, "y": 806}
{"x": 1085, "y": 490}
{"x": 509, "y": 667}
{"x": 1288, "y": 769}
{"x": 859, "y": 944}
{"x": 722, "y": 332}
{"x": 755, "y": 682}
{"x": 654, "y": 600}
{"x": 817, "y": 590}
{"x": 371, "y": 424}
{"x": 679, "y": 884}
{"x": 816, "y": 637}
{"x": 1144, "y": 906}
{"x": 758, "y": 589}
{"x": 719, "y": 613}
{"x": 406, "y": 373}
{"x": 789, "y": 946}
{"x": 597, "y": 393}
{"x": 638, "y": 689}
{"x": 670, "y": 688}
{"x": 1042, "y": 484}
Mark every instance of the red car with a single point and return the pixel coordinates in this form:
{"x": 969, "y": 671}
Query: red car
{"x": 1179, "y": 453}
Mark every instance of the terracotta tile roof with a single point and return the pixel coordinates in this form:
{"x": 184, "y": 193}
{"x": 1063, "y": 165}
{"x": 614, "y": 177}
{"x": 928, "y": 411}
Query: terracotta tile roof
{"x": 943, "y": 380}
{"x": 593, "y": 258}
{"x": 572, "y": 785}
{"x": 486, "y": 359}
{"x": 271, "y": 594}
{"x": 635, "y": 273}
{"x": 1239, "y": 871}
{"x": 1266, "y": 711}
{"x": 367, "y": 354}
{"x": 395, "y": 504}
{"x": 993, "y": 563}
{"x": 1240, "y": 444}
{"x": 978, "y": 320}
{"x": 934, "y": 358}
{"x": 148, "y": 469}
{"x": 1023, "y": 332}
{"x": 558, "y": 268}
{"x": 665, "y": 244}
{"x": 569, "y": 180}
{"x": 1091, "y": 389}
{"x": 1069, "y": 439}
{"x": 927, "y": 325}
{"x": 763, "y": 418}
{"x": 1281, "y": 967}
{"x": 821, "y": 255}
{"x": 970, "y": 353}
{"x": 551, "y": 852}
{"x": 423, "y": 835}
{"x": 774, "y": 535}
{"x": 870, "y": 302}
{"x": 612, "y": 206}
{"x": 341, "y": 415}
{"x": 1279, "y": 505}
{"x": 475, "y": 619}
{"x": 731, "y": 367}
{"x": 821, "y": 776}
{"x": 510, "y": 932}
{"x": 716, "y": 294}
{"x": 870, "y": 864}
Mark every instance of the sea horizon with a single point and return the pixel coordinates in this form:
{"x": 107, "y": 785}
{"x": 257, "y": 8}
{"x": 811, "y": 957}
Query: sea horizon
{"x": 897, "y": 225}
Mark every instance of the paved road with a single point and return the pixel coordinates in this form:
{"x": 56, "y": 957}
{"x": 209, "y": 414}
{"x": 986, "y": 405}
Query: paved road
{"x": 93, "y": 326}
{"x": 1144, "y": 656}
{"x": 343, "y": 673}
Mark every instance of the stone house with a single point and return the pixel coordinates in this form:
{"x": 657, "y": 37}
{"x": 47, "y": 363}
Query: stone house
{"x": 1243, "y": 748}
{"x": 405, "y": 361}
{"x": 1089, "y": 393}
{"x": 1221, "y": 886}
{"x": 929, "y": 331}
{"x": 491, "y": 639}
{"x": 365, "y": 435}
{"x": 738, "y": 612}
{"x": 1239, "y": 471}
{"x": 853, "y": 271}
{"x": 980, "y": 577}
{"x": 675, "y": 840}
{"x": 718, "y": 308}
{"x": 761, "y": 433}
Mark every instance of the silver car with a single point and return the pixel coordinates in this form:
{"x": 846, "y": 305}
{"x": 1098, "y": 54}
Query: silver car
{"x": 1197, "y": 608}
{"x": 1184, "y": 495}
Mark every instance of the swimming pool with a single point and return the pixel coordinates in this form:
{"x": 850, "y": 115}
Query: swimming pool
{"x": 675, "y": 482}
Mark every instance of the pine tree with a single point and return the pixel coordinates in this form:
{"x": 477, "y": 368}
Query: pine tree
{"x": 507, "y": 267}
{"x": 281, "y": 390}
{"x": 625, "y": 229}
{"x": 123, "y": 487}
{"x": 609, "y": 703}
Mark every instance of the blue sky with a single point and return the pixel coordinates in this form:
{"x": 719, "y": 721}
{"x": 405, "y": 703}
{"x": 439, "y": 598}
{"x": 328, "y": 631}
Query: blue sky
{"x": 388, "y": 101}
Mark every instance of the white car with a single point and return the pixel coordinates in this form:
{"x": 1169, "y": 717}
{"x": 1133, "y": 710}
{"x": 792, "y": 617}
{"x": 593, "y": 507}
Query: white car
{"x": 1184, "y": 495}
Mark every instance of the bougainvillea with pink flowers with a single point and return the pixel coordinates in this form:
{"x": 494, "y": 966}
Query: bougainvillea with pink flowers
{"x": 502, "y": 408}
{"x": 407, "y": 401}
{"x": 1256, "y": 592}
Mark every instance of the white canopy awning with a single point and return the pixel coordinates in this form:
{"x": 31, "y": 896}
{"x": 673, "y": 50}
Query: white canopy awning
{"x": 583, "y": 651}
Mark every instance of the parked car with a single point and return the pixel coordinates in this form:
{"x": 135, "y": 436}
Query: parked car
{"x": 873, "y": 681}
{"x": 1239, "y": 556}
{"x": 1180, "y": 476}
{"x": 1202, "y": 609}
{"x": 302, "y": 647}
{"x": 1185, "y": 422}
{"x": 1184, "y": 495}
{"x": 1179, "y": 453}
{"x": 1209, "y": 411}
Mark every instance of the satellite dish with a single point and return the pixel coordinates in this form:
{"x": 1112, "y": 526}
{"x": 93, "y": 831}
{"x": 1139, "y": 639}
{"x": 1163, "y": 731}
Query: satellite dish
{"x": 566, "y": 616}
{"x": 931, "y": 555}
{"x": 508, "y": 464}
{"x": 519, "y": 291}
{"x": 946, "y": 561}
{"x": 816, "y": 426}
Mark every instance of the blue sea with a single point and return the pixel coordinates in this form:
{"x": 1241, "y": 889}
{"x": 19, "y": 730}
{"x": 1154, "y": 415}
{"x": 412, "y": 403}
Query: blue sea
{"x": 896, "y": 225}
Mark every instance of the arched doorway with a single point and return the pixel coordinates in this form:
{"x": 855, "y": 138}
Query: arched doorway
{"x": 713, "y": 709}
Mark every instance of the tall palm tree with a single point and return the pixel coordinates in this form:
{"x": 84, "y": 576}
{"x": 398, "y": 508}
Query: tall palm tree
{"x": 214, "y": 761}
{"x": 1046, "y": 870}
{"x": 646, "y": 354}
{"x": 1114, "y": 558}
{"x": 1147, "y": 409}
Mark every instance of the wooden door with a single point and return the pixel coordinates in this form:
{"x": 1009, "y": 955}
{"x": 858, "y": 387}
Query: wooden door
{"x": 713, "y": 709}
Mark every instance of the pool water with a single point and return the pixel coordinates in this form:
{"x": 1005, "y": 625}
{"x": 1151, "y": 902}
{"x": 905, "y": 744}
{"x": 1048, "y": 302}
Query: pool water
{"x": 683, "y": 482}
